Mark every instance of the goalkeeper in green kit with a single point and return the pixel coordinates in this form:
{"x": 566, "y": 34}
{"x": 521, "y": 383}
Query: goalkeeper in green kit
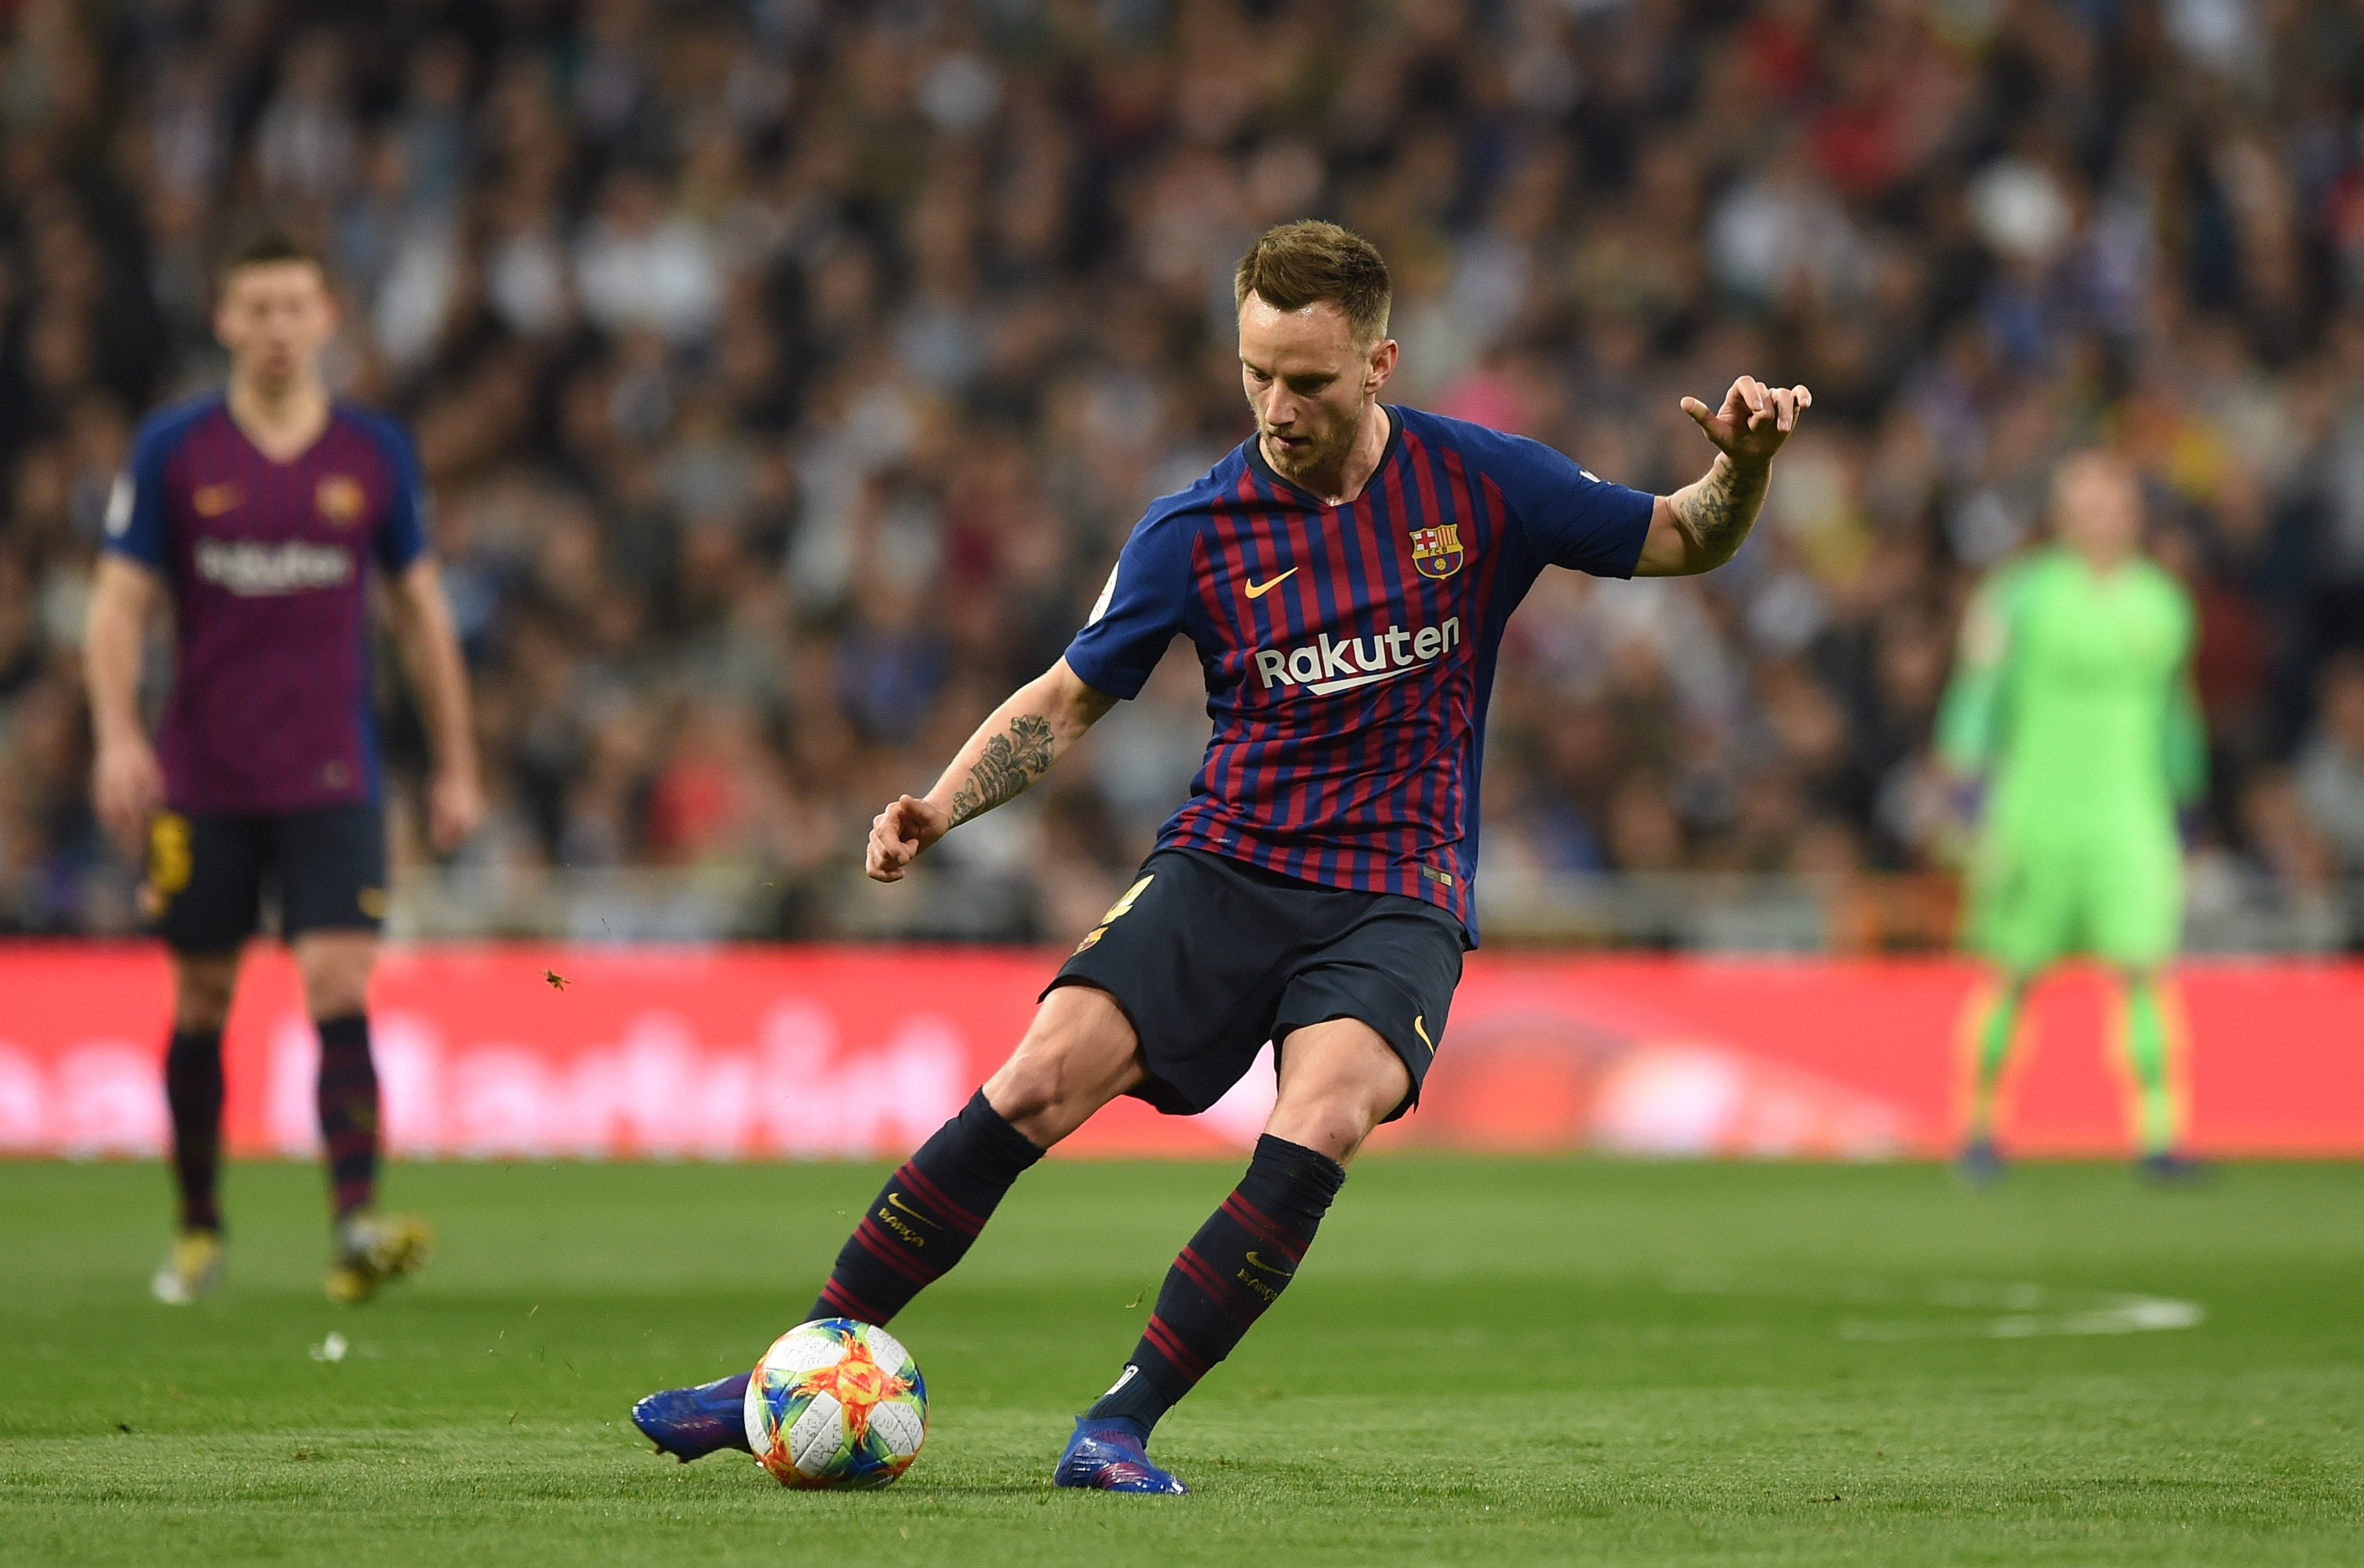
{"x": 2071, "y": 700}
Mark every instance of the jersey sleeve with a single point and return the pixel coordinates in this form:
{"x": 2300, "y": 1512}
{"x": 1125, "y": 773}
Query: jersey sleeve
{"x": 2185, "y": 730}
{"x": 1140, "y": 610}
{"x": 402, "y": 533}
{"x": 135, "y": 508}
{"x": 1969, "y": 716}
{"x": 1569, "y": 515}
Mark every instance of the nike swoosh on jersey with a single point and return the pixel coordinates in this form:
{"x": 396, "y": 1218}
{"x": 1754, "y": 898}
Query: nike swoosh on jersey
{"x": 1323, "y": 688}
{"x": 1258, "y": 590}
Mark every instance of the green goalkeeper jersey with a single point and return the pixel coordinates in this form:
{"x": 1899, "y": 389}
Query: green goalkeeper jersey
{"x": 2071, "y": 698}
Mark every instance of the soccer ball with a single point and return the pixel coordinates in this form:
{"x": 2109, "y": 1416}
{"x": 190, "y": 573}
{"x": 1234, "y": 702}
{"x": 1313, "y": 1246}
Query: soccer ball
{"x": 836, "y": 1403}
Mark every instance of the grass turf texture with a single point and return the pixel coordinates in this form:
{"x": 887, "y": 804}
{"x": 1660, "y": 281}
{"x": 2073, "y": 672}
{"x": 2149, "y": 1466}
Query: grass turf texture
{"x": 1485, "y": 1360}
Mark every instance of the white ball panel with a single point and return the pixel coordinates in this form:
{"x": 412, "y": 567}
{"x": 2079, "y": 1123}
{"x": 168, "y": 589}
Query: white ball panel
{"x": 814, "y": 1439}
{"x": 900, "y": 1427}
{"x": 798, "y": 1351}
{"x": 886, "y": 1349}
{"x": 750, "y": 1411}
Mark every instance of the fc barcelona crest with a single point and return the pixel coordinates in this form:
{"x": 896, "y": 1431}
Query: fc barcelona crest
{"x": 341, "y": 499}
{"x": 1436, "y": 553}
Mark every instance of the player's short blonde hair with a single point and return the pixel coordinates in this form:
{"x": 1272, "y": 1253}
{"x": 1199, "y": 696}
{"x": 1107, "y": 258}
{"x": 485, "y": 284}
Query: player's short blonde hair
{"x": 1309, "y": 262}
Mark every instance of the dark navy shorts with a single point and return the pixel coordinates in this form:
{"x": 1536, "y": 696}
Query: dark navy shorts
{"x": 1210, "y": 957}
{"x": 206, "y": 874}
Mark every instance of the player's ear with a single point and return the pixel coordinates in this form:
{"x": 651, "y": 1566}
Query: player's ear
{"x": 1381, "y": 368}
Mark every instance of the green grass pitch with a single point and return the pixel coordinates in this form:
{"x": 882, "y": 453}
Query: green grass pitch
{"x": 1484, "y": 1361}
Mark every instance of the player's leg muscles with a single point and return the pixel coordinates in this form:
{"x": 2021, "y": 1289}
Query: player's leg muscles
{"x": 1998, "y": 1028}
{"x": 1079, "y": 1053}
{"x": 336, "y": 966}
{"x": 2139, "y": 916}
{"x": 1338, "y": 1081}
{"x": 2149, "y": 1039}
{"x": 202, "y": 986}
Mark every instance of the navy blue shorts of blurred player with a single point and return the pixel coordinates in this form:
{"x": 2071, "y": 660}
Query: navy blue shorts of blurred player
{"x": 1210, "y": 957}
{"x": 206, "y": 874}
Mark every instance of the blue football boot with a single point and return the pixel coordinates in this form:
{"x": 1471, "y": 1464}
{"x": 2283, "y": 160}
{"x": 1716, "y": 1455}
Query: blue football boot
{"x": 1108, "y": 1456}
{"x": 2169, "y": 1168}
{"x": 690, "y": 1423}
{"x": 1979, "y": 1164}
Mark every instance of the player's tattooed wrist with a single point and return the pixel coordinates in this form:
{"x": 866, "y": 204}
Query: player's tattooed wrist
{"x": 1011, "y": 761}
{"x": 1719, "y": 508}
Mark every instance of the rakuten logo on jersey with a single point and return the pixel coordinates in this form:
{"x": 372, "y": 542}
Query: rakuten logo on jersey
{"x": 1325, "y": 666}
{"x": 255, "y": 571}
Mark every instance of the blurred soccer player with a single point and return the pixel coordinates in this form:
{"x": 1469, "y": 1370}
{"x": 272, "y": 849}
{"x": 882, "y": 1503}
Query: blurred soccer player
{"x": 259, "y": 510}
{"x": 1345, "y": 576}
{"x": 2072, "y": 699}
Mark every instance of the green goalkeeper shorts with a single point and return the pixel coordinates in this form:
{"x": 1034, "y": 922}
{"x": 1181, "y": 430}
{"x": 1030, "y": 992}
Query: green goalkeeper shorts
{"x": 2115, "y": 895}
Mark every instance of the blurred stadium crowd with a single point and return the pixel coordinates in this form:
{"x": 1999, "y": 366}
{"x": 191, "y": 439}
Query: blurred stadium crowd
{"x": 788, "y": 373}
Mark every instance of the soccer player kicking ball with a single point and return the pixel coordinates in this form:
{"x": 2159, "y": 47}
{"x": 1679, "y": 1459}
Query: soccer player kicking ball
{"x": 259, "y": 511}
{"x": 1345, "y": 576}
{"x": 2073, "y": 693}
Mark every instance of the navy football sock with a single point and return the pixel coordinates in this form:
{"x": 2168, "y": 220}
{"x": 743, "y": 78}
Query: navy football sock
{"x": 347, "y": 1101}
{"x": 193, "y": 1088}
{"x": 1237, "y": 1265}
{"x": 923, "y": 1220}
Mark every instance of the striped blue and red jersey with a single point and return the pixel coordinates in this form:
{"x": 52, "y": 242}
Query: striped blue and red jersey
{"x": 1349, "y": 650}
{"x": 268, "y": 566}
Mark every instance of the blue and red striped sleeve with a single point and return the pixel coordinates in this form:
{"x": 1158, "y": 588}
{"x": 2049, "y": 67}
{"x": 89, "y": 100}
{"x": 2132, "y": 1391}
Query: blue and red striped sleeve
{"x": 135, "y": 508}
{"x": 402, "y": 534}
{"x": 1568, "y": 516}
{"x": 1142, "y": 609}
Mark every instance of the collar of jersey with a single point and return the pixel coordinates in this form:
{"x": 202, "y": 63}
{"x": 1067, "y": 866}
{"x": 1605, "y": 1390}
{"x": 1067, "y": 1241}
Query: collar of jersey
{"x": 1273, "y": 476}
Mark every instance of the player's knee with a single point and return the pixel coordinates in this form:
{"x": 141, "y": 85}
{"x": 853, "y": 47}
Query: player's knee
{"x": 1333, "y": 1124}
{"x": 336, "y": 978}
{"x": 1079, "y": 1054}
{"x": 1023, "y": 1087}
{"x": 201, "y": 992}
{"x": 1332, "y": 1116}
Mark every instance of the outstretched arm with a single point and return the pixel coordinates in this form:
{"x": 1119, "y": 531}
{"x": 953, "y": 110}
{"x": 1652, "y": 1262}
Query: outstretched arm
{"x": 1700, "y": 525}
{"x": 430, "y": 651}
{"x": 1007, "y": 754}
{"x": 127, "y": 785}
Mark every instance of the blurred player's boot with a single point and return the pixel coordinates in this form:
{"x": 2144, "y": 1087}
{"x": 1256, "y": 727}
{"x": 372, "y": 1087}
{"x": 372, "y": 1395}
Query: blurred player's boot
{"x": 1979, "y": 1164}
{"x": 2166, "y": 1168}
{"x": 690, "y": 1423}
{"x": 1108, "y": 1456}
{"x": 372, "y": 1249}
{"x": 191, "y": 1269}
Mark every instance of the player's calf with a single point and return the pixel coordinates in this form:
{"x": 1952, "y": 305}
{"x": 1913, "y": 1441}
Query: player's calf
{"x": 924, "y": 1218}
{"x": 1231, "y": 1271}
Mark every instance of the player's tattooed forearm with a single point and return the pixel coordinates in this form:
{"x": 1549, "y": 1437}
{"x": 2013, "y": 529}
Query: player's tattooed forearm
{"x": 1011, "y": 761}
{"x": 1719, "y": 508}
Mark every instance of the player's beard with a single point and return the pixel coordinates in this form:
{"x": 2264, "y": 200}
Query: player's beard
{"x": 1318, "y": 454}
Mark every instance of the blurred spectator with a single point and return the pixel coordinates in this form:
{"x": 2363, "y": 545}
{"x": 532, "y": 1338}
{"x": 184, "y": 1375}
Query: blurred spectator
{"x": 2330, "y": 770}
{"x": 789, "y": 371}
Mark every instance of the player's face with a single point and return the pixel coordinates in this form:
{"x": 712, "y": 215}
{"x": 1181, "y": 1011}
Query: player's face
{"x": 1308, "y": 381}
{"x": 2097, "y": 505}
{"x": 274, "y": 317}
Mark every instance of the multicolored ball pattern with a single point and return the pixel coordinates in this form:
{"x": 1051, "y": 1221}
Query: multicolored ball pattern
{"x": 836, "y": 1404}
